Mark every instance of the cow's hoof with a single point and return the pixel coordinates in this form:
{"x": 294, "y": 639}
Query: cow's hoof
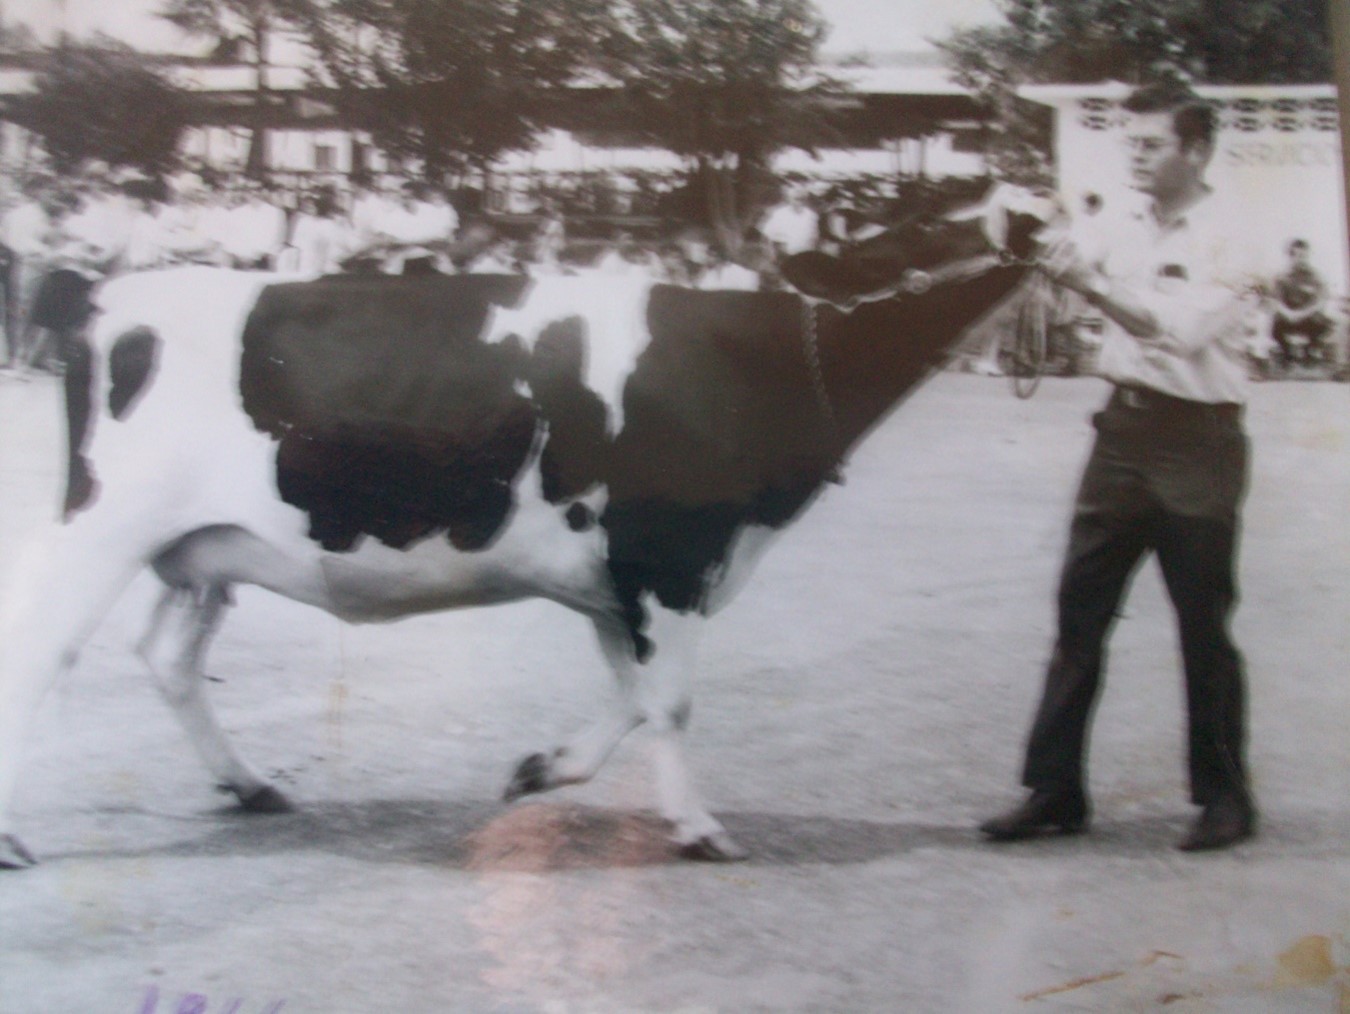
{"x": 531, "y": 776}
{"x": 13, "y": 856}
{"x": 718, "y": 847}
{"x": 264, "y": 800}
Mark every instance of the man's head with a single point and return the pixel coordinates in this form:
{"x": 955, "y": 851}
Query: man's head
{"x": 1298, "y": 252}
{"x": 1171, "y": 139}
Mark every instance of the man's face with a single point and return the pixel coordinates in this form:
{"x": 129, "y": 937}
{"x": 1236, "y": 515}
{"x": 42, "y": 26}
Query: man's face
{"x": 1160, "y": 165}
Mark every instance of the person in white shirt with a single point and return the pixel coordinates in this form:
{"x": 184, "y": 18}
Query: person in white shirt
{"x": 407, "y": 233}
{"x": 725, "y": 273}
{"x": 27, "y": 230}
{"x": 250, "y": 230}
{"x": 1167, "y": 474}
{"x": 320, "y": 239}
{"x": 792, "y": 227}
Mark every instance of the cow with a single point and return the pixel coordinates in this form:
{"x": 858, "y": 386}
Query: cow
{"x": 384, "y": 446}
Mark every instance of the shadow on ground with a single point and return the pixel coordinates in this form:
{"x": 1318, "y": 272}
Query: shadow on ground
{"x": 558, "y": 836}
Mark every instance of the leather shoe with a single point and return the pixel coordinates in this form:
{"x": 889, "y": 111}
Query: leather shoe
{"x": 1224, "y": 822}
{"x": 1046, "y": 811}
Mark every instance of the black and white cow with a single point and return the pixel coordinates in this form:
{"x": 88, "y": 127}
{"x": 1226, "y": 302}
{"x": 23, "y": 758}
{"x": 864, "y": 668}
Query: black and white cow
{"x": 381, "y": 446}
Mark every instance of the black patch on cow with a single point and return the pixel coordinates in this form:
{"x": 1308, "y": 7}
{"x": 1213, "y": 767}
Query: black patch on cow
{"x": 574, "y": 457}
{"x": 580, "y": 518}
{"x": 131, "y": 363}
{"x": 393, "y": 418}
{"x": 721, "y": 430}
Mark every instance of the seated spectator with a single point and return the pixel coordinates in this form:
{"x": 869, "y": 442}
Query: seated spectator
{"x": 1300, "y": 308}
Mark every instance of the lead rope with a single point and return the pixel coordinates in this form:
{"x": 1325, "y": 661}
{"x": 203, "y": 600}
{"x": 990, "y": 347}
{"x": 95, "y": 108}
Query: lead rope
{"x": 811, "y": 346}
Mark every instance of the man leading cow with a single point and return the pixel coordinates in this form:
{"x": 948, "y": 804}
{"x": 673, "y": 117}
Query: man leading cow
{"x": 1167, "y": 473}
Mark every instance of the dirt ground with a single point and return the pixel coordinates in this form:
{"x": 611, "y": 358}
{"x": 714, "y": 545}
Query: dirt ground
{"x": 863, "y": 704}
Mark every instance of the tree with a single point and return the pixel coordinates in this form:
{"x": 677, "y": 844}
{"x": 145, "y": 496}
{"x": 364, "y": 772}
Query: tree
{"x": 1070, "y": 41}
{"x": 453, "y": 84}
{"x": 228, "y": 23}
{"x": 726, "y": 84}
{"x": 104, "y": 102}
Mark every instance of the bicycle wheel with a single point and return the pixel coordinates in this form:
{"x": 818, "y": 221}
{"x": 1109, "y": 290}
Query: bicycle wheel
{"x": 1029, "y": 345}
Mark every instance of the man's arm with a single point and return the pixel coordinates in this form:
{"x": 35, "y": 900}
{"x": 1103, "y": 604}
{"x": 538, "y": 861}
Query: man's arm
{"x": 1066, "y": 265}
{"x": 1182, "y": 322}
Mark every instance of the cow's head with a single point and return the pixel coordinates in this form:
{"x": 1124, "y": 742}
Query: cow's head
{"x": 927, "y": 248}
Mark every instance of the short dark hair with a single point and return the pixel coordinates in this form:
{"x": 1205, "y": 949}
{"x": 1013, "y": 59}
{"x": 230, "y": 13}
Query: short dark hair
{"x": 1193, "y": 119}
{"x": 1297, "y": 244}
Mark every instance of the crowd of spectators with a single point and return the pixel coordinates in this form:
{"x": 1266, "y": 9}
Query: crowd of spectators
{"x": 124, "y": 224}
{"x": 397, "y": 226}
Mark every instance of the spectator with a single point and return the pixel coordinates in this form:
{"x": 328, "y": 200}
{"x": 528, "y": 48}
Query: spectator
{"x": 792, "y": 227}
{"x": 725, "y": 273}
{"x": 320, "y": 239}
{"x": 249, "y": 230}
{"x": 26, "y": 230}
{"x": 549, "y": 242}
{"x": 1300, "y": 308}
{"x": 623, "y": 257}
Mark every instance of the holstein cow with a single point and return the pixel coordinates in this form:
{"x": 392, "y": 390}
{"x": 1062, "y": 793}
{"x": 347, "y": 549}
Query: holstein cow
{"x": 382, "y": 446}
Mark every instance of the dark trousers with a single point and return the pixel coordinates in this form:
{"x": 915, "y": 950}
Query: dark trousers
{"x": 1166, "y": 476}
{"x": 1315, "y": 329}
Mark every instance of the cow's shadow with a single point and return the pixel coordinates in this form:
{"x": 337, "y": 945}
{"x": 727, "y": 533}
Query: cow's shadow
{"x": 552, "y": 835}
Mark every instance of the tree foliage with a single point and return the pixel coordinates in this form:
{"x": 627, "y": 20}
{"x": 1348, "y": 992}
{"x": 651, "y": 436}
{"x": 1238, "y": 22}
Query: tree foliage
{"x": 725, "y": 83}
{"x": 104, "y": 102}
{"x": 1216, "y": 41}
{"x": 228, "y": 23}
{"x": 1083, "y": 41}
{"x": 453, "y": 84}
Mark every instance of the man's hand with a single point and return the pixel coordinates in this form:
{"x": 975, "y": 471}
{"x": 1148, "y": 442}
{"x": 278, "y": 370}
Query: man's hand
{"x": 1065, "y": 264}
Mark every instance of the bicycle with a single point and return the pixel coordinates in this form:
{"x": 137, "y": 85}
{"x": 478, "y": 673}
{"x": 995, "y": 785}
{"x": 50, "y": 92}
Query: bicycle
{"x": 1044, "y": 306}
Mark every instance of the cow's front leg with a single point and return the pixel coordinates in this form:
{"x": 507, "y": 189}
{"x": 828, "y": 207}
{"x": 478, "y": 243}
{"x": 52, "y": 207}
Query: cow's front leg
{"x": 656, "y": 693}
{"x": 666, "y": 703}
{"x": 582, "y": 756}
{"x": 174, "y": 646}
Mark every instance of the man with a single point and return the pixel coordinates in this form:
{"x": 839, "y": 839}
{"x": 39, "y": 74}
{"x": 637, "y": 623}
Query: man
{"x": 1300, "y": 307}
{"x": 26, "y": 230}
{"x": 1167, "y": 474}
{"x": 791, "y": 227}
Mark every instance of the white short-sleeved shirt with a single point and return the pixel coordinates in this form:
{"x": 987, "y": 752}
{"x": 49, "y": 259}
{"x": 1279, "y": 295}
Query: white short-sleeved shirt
{"x": 1198, "y": 278}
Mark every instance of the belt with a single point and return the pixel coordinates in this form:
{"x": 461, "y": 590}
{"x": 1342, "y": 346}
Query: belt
{"x": 1147, "y": 400}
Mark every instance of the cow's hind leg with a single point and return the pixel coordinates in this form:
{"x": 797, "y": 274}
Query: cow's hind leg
{"x": 56, "y": 594}
{"x": 174, "y": 646}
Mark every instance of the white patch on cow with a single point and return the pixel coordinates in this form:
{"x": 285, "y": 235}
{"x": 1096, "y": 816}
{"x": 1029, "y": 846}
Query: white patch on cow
{"x": 614, "y": 310}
